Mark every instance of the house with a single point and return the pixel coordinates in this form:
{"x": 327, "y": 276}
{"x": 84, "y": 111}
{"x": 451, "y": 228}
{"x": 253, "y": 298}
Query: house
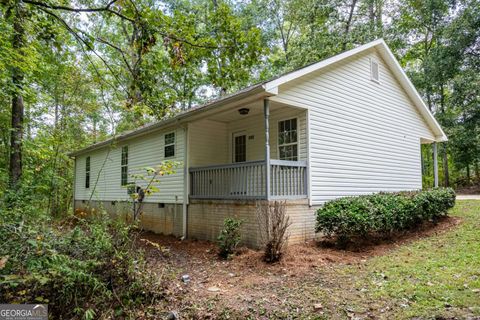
{"x": 349, "y": 125}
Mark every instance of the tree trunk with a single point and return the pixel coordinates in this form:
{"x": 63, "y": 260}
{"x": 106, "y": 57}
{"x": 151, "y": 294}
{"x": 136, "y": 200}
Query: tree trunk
{"x": 94, "y": 122}
{"x": 476, "y": 169}
{"x": 446, "y": 176}
{"x": 468, "y": 174}
{"x": 16, "y": 140}
{"x": 16, "y": 137}
{"x": 444, "y": 154}
{"x": 349, "y": 24}
{"x": 371, "y": 17}
{"x": 379, "y": 16}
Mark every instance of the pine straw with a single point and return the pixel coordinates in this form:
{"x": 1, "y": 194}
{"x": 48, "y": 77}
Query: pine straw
{"x": 246, "y": 277}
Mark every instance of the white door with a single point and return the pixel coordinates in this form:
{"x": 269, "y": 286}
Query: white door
{"x": 239, "y": 149}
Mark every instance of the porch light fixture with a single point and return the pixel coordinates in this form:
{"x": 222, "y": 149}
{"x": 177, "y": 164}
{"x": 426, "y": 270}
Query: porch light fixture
{"x": 243, "y": 111}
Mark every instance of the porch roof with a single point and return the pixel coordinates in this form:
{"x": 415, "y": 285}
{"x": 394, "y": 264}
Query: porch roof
{"x": 256, "y": 91}
{"x": 270, "y": 88}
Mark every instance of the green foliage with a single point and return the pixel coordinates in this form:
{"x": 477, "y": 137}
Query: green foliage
{"x": 382, "y": 213}
{"x": 86, "y": 79}
{"x": 428, "y": 274}
{"x": 85, "y": 268}
{"x": 105, "y": 74}
{"x": 144, "y": 185}
{"x": 229, "y": 237}
{"x": 152, "y": 177}
{"x": 436, "y": 276}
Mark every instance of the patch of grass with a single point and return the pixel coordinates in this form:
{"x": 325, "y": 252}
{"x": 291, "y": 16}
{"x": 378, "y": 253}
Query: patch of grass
{"x": 436, "y": 276}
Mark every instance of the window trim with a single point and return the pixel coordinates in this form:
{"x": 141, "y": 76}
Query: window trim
{"x": 174, "y": 144}
{"x": 122, "y": 165}
{"x": 88, "y": 163}
{"x": 372, "y": 61}
{"x": 291, "y": 143}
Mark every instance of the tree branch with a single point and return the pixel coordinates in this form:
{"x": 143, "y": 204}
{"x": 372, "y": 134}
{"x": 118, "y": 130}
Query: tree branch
{"x": 107, "y": 8}
{"x": 122, "y": 53}
{"x": 64, "y": 8}
{"x": 82, "y": 42}
{"x": 192, "y": 44}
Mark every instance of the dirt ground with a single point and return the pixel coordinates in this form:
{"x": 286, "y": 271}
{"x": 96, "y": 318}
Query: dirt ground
{"x": 245, "y": 285}
{"x": 470, "y": 190}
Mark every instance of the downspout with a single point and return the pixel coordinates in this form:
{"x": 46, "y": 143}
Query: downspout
{"x": 308, "y": 179}
{"x": 266, "y": 114}
{"x": 185, "y": 183}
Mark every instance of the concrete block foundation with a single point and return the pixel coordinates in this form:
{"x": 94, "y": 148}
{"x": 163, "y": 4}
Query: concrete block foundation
{"x": 159, "y": 218}
{"x": 205, "y": 218}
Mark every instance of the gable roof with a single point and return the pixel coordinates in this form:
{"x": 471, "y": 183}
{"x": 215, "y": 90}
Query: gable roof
{"x": 270, "y": 88}
{"x": 390, "y": 60}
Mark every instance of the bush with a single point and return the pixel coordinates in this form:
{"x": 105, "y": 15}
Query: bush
{"x": 229, "y": 237}
{"x": 273, "y": 223}
{"x": 382, "y": 213}
{"x": 85, "y": 269}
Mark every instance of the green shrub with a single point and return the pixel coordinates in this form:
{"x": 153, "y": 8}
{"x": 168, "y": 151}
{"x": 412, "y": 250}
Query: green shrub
{"x": 382, "y": 213}
{"x": 229, "y": 237}
{"x": 87, "y": 268}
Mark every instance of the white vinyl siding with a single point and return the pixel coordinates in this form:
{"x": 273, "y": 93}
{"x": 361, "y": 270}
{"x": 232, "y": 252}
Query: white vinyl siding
{"x": 208, "y": 143}
{"x": 254, "y": 129}
{"x": 144, "y": 151}
{"x": 364, "y": 136}
{"x": 211, "y": 142}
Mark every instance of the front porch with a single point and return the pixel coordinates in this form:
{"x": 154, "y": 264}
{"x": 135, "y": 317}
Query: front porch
{"x": 253, "y": 151}
{"x": 247, "y": 180}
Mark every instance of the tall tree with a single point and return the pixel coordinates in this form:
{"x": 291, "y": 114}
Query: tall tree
{"x": 18, "y": 109}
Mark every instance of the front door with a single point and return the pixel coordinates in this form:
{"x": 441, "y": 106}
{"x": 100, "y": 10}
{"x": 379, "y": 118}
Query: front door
{"x": 239, "y": 155}
{"x": 239, "y": 147}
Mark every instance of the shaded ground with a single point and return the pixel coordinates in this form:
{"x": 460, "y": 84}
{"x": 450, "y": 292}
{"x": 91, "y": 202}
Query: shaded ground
{"x": 428, "y": 273}
{"x": 470, "y": 190}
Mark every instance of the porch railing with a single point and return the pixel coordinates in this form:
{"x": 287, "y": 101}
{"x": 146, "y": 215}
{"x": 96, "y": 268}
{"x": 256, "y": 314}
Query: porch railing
{"x": 246, "y": 180}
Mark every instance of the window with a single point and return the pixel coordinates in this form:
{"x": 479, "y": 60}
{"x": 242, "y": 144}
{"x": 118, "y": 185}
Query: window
{"x": 287, "y": 140}
{"x": 240, "y": 148}
{"x": 87, "y": 173}
{"x": 124, "y": 166}
{"x": 374, "y": 71}
{"x": 169, "y": 145}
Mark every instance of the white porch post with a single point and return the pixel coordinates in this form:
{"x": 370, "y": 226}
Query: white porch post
{"x": 435, "y": 165}
{"x": 266, "y": 114}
